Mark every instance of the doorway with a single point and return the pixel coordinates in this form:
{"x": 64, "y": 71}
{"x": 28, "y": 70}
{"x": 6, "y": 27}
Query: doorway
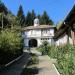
{"x": 32, "y": 43}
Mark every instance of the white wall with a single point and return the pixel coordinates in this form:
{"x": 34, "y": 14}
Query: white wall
{"x": 62, "y": 41}
{"x": 70, "y": 40}
{"x": 33, "y": 33}
{"x": 38, "y": 34}
{"x": 48, "y": 32}
{"x": 39, "y": 42}
{"x": 26, "y": 41}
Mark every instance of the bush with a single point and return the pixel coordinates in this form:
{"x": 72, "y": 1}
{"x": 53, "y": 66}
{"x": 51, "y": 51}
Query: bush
{"x": 66, "y": 60}
{"x": 11, "y": 45}
{"x": 44, "y": 48}
{"x": 52, "y": 51}
{"x": 65, "y": 56}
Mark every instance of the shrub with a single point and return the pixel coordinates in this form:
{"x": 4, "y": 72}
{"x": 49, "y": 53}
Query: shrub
{"x": 11, "y": 45}
{"x": 65, "y": 60}
{"x": 65, "y": 56}
{"x": 52, "y": 51}
{"x": 44, "y": 48}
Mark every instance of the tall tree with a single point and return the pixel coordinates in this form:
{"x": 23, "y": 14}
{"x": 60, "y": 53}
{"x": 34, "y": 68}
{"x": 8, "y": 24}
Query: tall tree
{"x": 33, "y": 16}
{"x": 39, "y": 17}
{"x": 45, "y": 19}
{"x": 3, "y": 13}
{"x": 3, "y": 8}
{"x": 12, "y": 19}
{"x": 20, "y": 16}
{"x": 29, "y": 19}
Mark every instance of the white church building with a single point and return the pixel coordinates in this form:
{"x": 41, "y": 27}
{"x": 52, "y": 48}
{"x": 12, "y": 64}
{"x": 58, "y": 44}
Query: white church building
{"x": 35, "y": 35}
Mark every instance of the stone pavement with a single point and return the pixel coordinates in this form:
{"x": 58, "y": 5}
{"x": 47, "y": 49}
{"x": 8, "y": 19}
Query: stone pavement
{"x": 45, "y": 65}
{"x": 17, "y": 67}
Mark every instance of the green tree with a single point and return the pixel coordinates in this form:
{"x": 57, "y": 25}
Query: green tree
{"x": 3, "y": 20}
{"x": 39, "y": 17}
{"x": 20, "y": 16}
{"x": 29, "y": 19}
{"x": 11, "y": 45}
{"x": 3, "y": 13}
{"x": 45, "y": 19}
{"x": 3, "y": 8}
{"x": 33, "y": 16}
{"x": 11, "y": 19}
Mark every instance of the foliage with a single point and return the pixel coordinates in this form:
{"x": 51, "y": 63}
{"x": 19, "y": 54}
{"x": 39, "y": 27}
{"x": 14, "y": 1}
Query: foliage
{"x": 53, "y": 50}
{"x": 65, "y": 56}
{"x": 11, "y": 45}
{"x": 34, "y": 59}
{"x": 43, "y": 48}
{"x": 3, "y": 20}
{"x": 3, "y": 8}
{"x": 33, "y": 16}
{"x": 21, "y": 17}
{"x": 66, "y": 60}
{"x": 29, "y": 19}
{"x": 45, "y": 19}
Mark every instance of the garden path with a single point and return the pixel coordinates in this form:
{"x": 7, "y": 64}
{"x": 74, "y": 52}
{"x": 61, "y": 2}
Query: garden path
{"x": 45, "y": 66}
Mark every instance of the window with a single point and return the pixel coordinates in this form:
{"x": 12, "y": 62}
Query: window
{"x": 44, "y": 38}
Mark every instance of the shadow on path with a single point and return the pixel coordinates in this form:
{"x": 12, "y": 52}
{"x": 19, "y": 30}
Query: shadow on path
{"x": 30, "y": 71}
{"x": 17, "y": 67}
{"x": 31, "y": 68}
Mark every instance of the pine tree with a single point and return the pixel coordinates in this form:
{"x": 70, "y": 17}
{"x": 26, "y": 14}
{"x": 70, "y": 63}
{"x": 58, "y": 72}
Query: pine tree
{"x": 45, "y": 19}
{"x": 20, "y": 16}
{"x": 3, "y": 8}
{"x": 29, "y": 19}
{"x": 39, "y": 17}
{"x": 33, "y": 16}
{"x": 3, "y": 15}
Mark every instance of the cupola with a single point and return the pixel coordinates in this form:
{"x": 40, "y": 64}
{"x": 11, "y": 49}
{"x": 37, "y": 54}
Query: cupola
{"x": 36, "y": 22}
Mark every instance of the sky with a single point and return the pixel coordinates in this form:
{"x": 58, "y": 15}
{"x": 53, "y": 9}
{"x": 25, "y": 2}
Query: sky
{"x": 56, "y": 9}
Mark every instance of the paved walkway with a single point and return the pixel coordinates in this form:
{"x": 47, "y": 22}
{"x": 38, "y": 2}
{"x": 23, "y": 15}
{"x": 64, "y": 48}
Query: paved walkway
{"x": 45, "y": 65}
{"x": 17, "y": 67}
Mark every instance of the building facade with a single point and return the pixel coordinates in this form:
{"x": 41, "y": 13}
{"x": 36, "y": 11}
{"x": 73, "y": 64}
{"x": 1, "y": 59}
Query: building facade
{"x": 35, "y": 35}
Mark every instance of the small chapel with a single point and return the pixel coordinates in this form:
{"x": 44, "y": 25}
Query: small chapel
{"x": 35, "y": 35}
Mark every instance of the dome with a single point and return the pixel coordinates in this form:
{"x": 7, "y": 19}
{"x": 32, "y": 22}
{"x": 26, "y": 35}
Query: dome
{"x": 36, "y": 22}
